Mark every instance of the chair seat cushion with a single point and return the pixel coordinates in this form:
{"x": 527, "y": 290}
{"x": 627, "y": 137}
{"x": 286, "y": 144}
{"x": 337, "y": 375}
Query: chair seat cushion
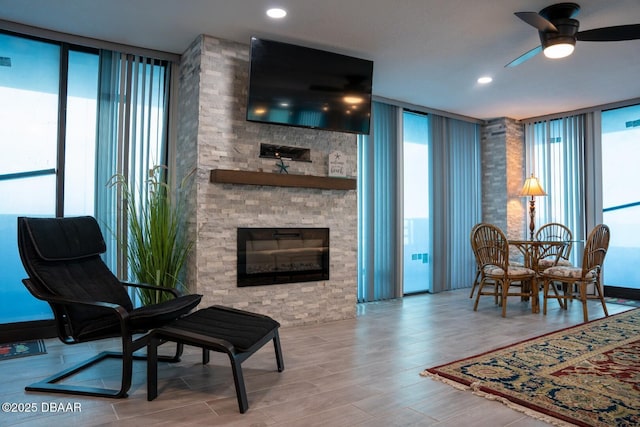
{"x": 563, "y": 272}
{"x": 141, "y": 319}
{"x": 492, "y": 270}
{"x": 551, "y": 262}
{"x": 151, "y": 316}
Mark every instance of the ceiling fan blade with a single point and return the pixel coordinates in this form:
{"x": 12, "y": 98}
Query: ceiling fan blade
{"x": 519, "y": 60}
{"x": 536, "y": 21}
{"x": 610, "y": 34}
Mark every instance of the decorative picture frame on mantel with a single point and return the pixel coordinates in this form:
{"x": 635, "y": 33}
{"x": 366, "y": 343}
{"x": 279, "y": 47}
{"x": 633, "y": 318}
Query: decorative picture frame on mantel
{"x": 337, "y": 164}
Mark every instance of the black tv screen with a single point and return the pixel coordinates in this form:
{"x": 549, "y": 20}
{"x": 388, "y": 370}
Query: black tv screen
{"x": 305, "y": 87}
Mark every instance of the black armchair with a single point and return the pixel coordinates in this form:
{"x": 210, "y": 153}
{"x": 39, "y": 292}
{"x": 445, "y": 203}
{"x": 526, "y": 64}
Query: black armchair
{"x": 62, "y": 259}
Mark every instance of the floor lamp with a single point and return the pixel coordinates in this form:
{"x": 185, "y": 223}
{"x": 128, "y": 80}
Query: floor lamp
{"x": 532, "y": 188}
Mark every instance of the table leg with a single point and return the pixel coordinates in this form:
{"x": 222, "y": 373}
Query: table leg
{"x": 535, "y": 291}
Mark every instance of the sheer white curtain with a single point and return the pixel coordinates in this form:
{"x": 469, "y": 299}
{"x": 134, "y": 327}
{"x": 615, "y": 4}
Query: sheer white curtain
{"x": 380, "y": 252}
{"x": 456, "y": 199}
{"x": 559, "y": 152}
{"x": 131, "y": 137}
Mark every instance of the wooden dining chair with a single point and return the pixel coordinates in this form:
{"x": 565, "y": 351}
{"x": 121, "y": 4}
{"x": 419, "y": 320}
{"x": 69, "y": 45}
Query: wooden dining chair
{"x": 554, "y": 255}
{"x": 476, "y": 280}
{"x": 574, "y": 281}
{"x": 492, "y": 254}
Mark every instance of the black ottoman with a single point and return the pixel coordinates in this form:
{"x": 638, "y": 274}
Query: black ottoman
{"x": 223, "y": 329}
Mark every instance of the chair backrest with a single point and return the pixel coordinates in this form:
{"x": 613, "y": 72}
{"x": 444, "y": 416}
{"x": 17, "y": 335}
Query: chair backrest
{"x": 554, "y": 231}
{"x": 473, "y": 243}
{"x": 490, "y": 246}
{"x": 62, "y": 258}
{"x": 595, "y": 249}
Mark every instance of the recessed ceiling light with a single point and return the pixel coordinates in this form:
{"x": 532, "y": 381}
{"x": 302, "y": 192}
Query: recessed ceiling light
{"x": 276, "y": 13}
{"x": 485, "y": 80}
{"x": 349, "y": 99}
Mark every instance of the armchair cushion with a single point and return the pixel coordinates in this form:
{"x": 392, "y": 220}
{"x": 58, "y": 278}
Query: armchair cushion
{"x": 141, "y": 319}
{"x": 551, "y": 262}
{"x": 65, "y": 239}
{"x": 493, "y": 270}
{"x": 568, "y": 272}
{"x": 148, "y": 317}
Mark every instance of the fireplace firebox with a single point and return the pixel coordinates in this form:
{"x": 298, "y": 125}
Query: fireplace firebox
{"x": 269, "y": 256}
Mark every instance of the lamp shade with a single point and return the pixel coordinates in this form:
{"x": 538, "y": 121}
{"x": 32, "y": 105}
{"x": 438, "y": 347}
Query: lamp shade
{"x": 532, "y": 187}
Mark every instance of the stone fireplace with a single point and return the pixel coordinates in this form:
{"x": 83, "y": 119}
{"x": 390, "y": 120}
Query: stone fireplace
{"x": 213, "y": 134}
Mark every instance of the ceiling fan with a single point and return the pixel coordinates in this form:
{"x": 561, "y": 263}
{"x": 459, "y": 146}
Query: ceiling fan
{"x": 558, "y": 31}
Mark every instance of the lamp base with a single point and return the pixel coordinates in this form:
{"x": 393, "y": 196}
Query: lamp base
{"x": 532, "y": 215}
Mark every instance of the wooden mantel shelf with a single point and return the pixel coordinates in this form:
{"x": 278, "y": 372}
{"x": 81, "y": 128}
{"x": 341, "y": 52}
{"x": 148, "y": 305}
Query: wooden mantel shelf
{"x": 226, "y": 176}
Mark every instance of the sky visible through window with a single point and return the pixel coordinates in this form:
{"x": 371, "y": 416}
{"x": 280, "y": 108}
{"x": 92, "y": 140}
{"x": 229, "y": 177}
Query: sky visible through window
{"x": 621, "y": 194}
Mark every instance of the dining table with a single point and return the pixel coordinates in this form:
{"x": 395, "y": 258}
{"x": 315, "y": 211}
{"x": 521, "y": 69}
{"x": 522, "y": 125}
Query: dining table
{"x": 533, "y": 251}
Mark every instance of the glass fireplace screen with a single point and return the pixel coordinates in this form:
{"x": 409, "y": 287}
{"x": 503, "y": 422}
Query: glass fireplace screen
{"x": 269, "y": 256}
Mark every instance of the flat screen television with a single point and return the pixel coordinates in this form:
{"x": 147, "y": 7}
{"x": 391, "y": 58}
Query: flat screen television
{"x": 305, "y": 87}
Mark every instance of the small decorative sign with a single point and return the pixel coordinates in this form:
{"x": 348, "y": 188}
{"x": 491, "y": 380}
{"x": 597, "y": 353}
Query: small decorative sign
{"x": 337, "y": 164}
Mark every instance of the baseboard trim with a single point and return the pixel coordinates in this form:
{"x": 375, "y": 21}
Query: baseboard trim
{"x": 625, "y": 293}
{"x": 22, "y": 331}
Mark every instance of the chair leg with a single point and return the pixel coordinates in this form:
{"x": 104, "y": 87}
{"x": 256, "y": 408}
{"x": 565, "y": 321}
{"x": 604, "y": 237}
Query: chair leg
{"x": 601, "y": 298}
{"x": 238, "y": 379}
{"x": 278, "y": 350}
{"x": 480, "y": 286}
{"x": 505, "y": 291}
{"x": 545, "y": 290}
{"x": 550, "y": 285}
{"x": 152, "y": 368}
{"x": 557, "y": 295}
{"x": 535, "y": 295}
{"x": 475, "y": 283}
{"x": 583, "y": 300}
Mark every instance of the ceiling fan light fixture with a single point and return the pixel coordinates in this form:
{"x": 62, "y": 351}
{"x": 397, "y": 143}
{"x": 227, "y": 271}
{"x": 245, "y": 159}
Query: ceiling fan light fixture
{"x": 560, "y": 44}
{"x": 559, "y": 50}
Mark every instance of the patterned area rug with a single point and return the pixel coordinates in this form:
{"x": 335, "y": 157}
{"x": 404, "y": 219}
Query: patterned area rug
{"x": 586, "y": 375}
{"x": 21, "y": 349}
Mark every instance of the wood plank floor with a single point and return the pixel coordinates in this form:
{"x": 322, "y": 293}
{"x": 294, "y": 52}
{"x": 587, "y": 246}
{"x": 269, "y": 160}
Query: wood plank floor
{"x": 358, "y": 372}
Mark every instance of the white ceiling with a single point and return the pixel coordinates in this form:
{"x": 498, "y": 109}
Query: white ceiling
{"x": 426, "y": 52}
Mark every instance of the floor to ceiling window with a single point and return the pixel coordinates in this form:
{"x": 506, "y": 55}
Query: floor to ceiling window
{"x": 72, "y": 117}
{"x": 416, "y": 237}
{"x": 621, "y": 195}
{"x": 32, "y": 95}
{"x": 555, "y": 154}
{"x": 80, "y": 134}
{"x": 28, "y": 107}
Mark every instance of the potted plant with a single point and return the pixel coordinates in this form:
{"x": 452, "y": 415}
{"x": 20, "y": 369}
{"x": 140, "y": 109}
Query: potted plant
{"x": 155, "y": 246}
